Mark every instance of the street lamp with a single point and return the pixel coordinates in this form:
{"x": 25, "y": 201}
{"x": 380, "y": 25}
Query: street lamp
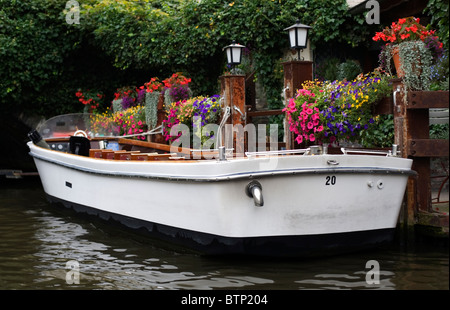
{"x": 298, "y": 36}
{"x": 234, "y": 53}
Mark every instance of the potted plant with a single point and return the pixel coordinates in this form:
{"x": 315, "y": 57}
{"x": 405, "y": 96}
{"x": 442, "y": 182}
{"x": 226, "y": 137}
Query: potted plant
{"x": 324, "y": 112}
{"x": 176, "y": 88}
{"x": 152, "y": 94}
{"x": 196, "y": 113}
{"x": 411, "y": 46}
{"x": 91, "y": 99}
{"x": 124, "y": 98}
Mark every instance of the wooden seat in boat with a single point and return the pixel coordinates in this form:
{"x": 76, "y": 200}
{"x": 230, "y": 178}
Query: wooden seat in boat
{"x": 141, "y": 156}
{"x": 132, "y": 155}
{"x": 124, "y": 155}
{"x": 101, "y": 153}
{"x": 161, "y": 156}
{"x": 107, "y": 154}
{"x": 95, "y": 153}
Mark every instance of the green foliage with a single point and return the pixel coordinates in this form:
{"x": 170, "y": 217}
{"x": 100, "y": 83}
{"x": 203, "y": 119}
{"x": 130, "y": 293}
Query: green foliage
{"x": 440, "y": 74}
{"x": 34, "y": 40}
{"x": 439, "y": 131}
{"x": 327, "y": 70}
{"x": 331, "y": 22}
{"x": 45, "y": 60}
{"x": 162, "y": 35}
{"x": 348, "y": 70}
{"x": 417, "y": 73}
{"x": 438, "y": 11}
{"x": 380, "y": 134}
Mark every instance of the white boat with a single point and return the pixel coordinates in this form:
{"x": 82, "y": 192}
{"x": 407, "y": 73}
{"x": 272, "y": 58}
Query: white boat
{"x": 281, "y": 203}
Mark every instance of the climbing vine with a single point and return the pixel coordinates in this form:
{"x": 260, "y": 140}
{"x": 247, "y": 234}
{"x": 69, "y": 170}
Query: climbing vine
{"x": 189, "y": 35}
{"x": 158, "y": 38}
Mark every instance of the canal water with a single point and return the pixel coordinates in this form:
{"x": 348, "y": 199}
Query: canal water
{"x": 43, "y": 248}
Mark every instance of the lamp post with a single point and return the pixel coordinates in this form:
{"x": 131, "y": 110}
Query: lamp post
{"x": 298, "y": 36}
{"x": 296, "y": 71}
{"x": 234, "y": 53}
{"x": 233, "y": 94}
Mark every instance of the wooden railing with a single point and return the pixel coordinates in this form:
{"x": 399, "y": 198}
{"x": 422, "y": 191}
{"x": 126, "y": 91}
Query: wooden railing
{"x": 412, "y": 134}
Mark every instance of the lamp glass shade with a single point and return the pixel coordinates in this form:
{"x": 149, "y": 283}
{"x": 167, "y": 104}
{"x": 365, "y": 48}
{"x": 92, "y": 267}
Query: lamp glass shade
{"x": 298, "y": 35}
{"x": 234, "y": 53}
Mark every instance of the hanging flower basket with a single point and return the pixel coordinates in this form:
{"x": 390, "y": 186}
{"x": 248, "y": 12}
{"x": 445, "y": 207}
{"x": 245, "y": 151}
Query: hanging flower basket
{"x": 151, "y": 108}
{"x": 396, "y": 59}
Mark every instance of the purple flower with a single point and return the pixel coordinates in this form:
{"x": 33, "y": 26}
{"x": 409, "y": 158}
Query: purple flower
{"x": 127, "y": 102}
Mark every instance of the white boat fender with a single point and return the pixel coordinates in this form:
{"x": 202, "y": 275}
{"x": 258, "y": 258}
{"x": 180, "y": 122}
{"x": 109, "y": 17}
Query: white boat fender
{"x": 254, "y": 190}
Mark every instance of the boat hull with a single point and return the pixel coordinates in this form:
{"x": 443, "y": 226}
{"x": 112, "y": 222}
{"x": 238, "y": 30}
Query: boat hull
{"x": 264, "y": 246}
{"x": 311, "y": 205}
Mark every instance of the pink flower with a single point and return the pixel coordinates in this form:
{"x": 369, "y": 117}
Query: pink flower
{"x": 299, "y": 139}
{"x": 291, "y": 104}
{"x": 312, "y": 137}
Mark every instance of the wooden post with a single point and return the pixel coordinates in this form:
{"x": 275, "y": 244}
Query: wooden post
{"x": 161, "y": 115}
{"x": 295, "y": 74}
{"x": 411, "y": 125}
{"x": 233, "y": 92}
{"x": 400, "y": 130}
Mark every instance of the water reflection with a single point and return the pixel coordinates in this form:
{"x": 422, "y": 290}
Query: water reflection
{"x": 37, "y": 241}
{"x": 120, "y": 263}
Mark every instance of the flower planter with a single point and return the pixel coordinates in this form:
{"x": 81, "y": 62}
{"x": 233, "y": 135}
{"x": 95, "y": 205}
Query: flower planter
{"x": 151, "y": 108}
{"x": 397, "y": 63}
{"x": 117, "y": 105}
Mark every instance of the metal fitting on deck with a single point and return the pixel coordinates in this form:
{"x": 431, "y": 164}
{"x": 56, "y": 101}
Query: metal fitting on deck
{"x": 254, "y": 190}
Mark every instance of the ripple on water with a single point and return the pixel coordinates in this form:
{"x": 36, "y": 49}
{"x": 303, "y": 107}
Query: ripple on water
{"x": 37, "y": 242}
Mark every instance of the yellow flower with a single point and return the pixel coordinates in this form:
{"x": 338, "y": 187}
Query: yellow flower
{"x": 231, "y": 4}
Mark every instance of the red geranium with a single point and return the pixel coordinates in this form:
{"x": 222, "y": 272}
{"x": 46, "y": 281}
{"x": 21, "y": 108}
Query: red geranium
{"x": 93, "y": 99}
{"x": 153, "y": 85}
{"x": 406, "y": 29}
{"x": 176, "y": 79}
